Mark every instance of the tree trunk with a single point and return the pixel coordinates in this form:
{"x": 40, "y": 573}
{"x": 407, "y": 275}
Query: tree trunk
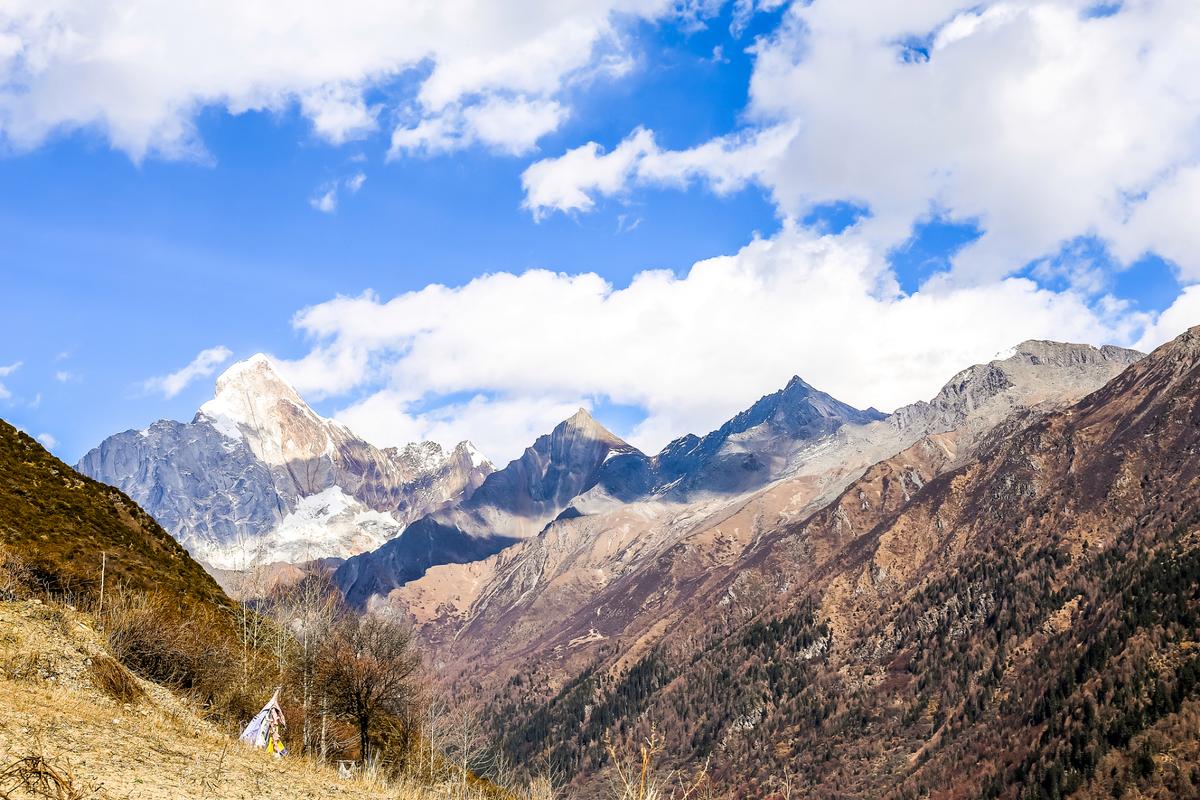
{"x": 364, "y": 740}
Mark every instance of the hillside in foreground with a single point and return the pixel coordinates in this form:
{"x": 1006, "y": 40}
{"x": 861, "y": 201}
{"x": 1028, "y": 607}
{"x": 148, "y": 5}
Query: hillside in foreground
{"x": 66, "y": 528}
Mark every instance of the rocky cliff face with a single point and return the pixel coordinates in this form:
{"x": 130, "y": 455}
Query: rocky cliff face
{"x": 258, "y": 476}
{"x": 511, "y": 504}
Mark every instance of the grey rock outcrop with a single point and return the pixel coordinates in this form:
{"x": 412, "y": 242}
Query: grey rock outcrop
{"x": 510, "y": 505}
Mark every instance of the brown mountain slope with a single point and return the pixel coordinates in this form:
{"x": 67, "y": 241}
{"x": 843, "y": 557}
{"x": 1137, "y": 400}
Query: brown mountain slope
{"x": 60, "y": 523}
{"x": 620, "y": 576}
{"x": 1024, "y": 625}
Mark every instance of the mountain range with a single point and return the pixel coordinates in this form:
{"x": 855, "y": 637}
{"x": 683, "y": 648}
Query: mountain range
{"x": 259, "y": 477}
{"x": 582, "y": 465}
{"x": 992, "y": 593}
{"x": 626, "y": 572}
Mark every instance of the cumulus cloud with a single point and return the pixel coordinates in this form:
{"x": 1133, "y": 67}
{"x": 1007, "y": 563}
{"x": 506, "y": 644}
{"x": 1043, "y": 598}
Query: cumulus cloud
{"x": 204, "y": 364}
{"x": 325, "y": 201}
{"x": 5, "y": 392}
{"x": 690, "y": 350}
{"x": 138, "y": 71}
{"x": 1040, "y": 121}
{"x": 48, "y": 441}
{"x": 501, "y": 427}
{"x": 1181, "y": 315}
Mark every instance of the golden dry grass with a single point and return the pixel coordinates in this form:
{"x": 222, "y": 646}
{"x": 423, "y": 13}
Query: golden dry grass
{"x": 52, "y": 713}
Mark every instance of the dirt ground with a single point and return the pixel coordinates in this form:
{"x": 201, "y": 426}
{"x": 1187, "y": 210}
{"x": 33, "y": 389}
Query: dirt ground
{"x": 154, "y": 747}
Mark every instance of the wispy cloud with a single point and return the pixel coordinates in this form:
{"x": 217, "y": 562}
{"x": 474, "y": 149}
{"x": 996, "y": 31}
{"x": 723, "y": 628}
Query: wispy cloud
{"x": 204, "y": 364}
{"x": 48, "y": 441}
{"x": 326, "y": 199}
{"x": 5, "y": 394}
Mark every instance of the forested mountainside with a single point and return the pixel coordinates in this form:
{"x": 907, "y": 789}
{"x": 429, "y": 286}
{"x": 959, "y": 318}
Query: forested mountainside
{"x": 1022, "y": 625}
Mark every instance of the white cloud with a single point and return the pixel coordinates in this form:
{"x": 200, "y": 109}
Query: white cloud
{"x": 48, "y": 441}
{"x": 571, "y": 181}
{"x": 65, "y": 376}
{"x": 5, "y": 392}
{"x": 138, "y": 71}
{"x": 568, "y": 182}
{"x": 509, "y": 125}
{"x": 326, "y": 198}
{"x": 513, "y": 125}
{"x": 690, "y": 351}
{"x": 1166, "y": 222}
{"x": 1036, "y": 119}
{"x": 204, "y": 364}
{"x": 339, "y": 113}
{"x": 504, "y": 427}
{"x": 1181, "y": 315}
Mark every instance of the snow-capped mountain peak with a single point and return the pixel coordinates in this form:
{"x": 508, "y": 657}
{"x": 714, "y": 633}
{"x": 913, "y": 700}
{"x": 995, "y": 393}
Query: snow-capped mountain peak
{"x": 254, "y": 402}
{"x": 258, "y": 476}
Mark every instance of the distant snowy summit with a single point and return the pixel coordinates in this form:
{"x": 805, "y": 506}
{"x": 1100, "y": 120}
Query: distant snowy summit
{"x": 259, "y": 477}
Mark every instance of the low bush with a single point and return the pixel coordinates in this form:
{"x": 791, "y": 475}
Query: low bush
{"x": 114, "y": 680}
{"x": 15, "y": 576}
{"x": 192, "y": 650}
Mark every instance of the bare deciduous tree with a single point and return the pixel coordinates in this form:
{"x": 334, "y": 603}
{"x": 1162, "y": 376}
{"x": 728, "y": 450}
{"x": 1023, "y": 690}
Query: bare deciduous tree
{"x": 367, "y": 668}
{"x": 308, "y": 611}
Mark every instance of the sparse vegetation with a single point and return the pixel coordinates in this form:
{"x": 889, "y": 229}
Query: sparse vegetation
{"x": 34, "y": 776}
{"x": 114, "y": 680}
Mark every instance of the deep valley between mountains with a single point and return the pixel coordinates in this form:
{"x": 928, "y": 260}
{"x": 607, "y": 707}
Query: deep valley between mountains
{"x": 993, "y": 593}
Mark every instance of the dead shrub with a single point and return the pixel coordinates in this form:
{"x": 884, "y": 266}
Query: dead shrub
{"x": 27, "y": 666}
{"x": 638, "y": 780}
{"x": 37, "y": 777}
{"x": 16, "y": 579}
{"x": 186, "y": 649}
{"x": 114, "y": 680}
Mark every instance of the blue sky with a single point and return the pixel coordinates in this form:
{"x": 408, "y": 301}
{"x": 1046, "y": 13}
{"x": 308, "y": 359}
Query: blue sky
{"x": 123, "y": 261}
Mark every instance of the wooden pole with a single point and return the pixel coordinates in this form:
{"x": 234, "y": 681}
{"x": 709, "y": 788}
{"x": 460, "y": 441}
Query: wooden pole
{"x": 103, "y": 566}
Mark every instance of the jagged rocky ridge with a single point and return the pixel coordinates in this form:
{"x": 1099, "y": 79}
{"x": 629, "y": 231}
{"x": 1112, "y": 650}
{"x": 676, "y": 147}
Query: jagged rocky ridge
{"x": 258, "y": 477}
{"x": 624, "y": 572}
{"x": 580, "y": 464}
{"x": 511, "y": 504}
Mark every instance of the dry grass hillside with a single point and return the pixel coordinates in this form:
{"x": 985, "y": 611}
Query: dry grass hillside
{"x": 61, "y": 524}
{"x": 75, "y": 724}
